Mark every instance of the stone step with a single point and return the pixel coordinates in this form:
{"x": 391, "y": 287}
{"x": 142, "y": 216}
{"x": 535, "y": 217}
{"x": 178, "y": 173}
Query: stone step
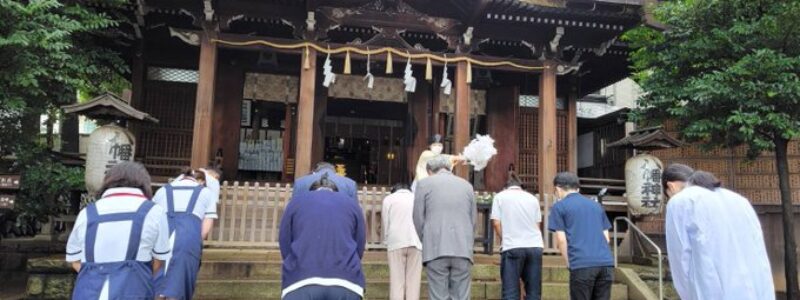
{"x": 271, "y": 289}
{"x": 235, "y": 270}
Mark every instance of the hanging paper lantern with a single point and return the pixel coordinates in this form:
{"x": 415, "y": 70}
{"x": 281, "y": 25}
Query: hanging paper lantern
{"x": 643, "y": 184}
{"x": 109, "y": 145}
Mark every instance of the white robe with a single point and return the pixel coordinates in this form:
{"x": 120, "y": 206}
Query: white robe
{"x": 716, "y": 246}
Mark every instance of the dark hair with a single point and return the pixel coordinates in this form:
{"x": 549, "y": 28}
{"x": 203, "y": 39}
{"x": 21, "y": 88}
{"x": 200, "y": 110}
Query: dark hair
{"x": 675, "y": 172}
{"x": 399, "y": 186}
{"x": 324, "y": 165}
{"x": 513, "y": 180}
{"x": 705, "y": 179}
{"x": 127, "y": 175}
{"x": 567, "y": 181}
{"x": 192, "y": 173}
{"x": 324, "y": 182}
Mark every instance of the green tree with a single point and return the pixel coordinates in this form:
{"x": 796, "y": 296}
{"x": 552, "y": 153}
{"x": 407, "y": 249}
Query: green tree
{"x": 49, "y": 50}
{"x": 728, "y": 70}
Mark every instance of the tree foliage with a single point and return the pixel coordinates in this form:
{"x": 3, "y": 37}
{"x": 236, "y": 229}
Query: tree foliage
{"x": 49, "y": 50}
{"x": 728, "y": 70}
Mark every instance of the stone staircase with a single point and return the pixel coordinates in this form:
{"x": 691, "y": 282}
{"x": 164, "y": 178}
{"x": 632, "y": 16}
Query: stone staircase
{"x": 255, "y": 274}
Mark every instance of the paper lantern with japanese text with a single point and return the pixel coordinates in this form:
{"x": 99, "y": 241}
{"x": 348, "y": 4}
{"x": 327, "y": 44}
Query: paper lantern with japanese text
{"x": 108, "y": 146}
{"x": 643, "y": 184}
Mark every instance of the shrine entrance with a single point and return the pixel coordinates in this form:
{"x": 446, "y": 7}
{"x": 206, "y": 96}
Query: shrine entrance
{"x": 366, "y": 140}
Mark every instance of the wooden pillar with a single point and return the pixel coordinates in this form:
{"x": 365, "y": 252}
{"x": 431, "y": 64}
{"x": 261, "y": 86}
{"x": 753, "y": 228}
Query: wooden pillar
{"x": 547, "y": 129}
{"x": 287, "y": 140}
{"x": 462, "y": 113}
{"x": 204, "y": 105}
{"x": 419, "y": 123}
{"x": 138, "y": 76}
{"x": 305, "y": 115}
{"x": 502, "y": 111}
{"x": 572, "y": 128}
{"x": 228, "y": 113}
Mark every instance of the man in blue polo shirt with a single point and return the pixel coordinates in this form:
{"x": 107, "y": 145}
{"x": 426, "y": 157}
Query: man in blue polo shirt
{"x": 581, "y": 228}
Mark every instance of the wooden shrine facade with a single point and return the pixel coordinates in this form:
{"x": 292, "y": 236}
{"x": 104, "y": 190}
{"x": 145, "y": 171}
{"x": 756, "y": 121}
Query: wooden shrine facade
{"x": 215, "y": 71}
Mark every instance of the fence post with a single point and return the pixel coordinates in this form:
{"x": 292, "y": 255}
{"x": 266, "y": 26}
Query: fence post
{"x": 234, "y": 199}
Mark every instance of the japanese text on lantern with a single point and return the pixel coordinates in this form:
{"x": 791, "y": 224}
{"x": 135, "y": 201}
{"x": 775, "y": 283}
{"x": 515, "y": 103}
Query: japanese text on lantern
{"x": 651, "y": 186}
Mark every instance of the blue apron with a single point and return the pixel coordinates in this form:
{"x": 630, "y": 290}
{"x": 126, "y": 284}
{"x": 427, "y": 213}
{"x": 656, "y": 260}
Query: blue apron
{"x": 181, "y": 272}
{"x": 128, "y": 279}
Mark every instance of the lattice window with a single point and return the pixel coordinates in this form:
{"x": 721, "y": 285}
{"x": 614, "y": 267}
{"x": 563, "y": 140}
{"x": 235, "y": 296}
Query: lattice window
{"x": 172, "y": 74}
{"x": 533, "y": 101}
{"x": 528, "y": 160}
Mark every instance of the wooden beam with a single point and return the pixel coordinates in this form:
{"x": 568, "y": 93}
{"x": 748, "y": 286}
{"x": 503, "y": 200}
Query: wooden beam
{"x": 305, "y": 115}
{"x": 239, "y": 38}
{"x": 572, "y": 128}
{"x": 478, "y": 12}
{"x": 547, "y": 129}
{"x": 461, "y": 132}
{"x": 204, "y": 105}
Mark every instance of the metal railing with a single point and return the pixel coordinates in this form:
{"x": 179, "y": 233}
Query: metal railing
{"x": 658, "y": 250}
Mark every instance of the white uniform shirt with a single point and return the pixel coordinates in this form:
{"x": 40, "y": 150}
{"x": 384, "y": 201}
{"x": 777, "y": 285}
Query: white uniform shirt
{"x": 213, "y": 185}
{"x": 205, "y": 208}
{"x": 715, "y": 240}
{"x": 518, "y": 212}
{"x": 111, "y": 243}
{"x": 398, "y": 222}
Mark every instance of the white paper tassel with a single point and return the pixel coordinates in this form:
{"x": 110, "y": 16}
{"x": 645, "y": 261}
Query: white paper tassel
{"x": 327, "y": 70}
{"x": 408, "y": 78}
{"x": 369, "y": 77}
{"x": 447, "y": 85}
{"x": 479, "y": 151}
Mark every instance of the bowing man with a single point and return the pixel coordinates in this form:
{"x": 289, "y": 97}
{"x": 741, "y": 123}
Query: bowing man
{"x": 188, "y": 204}
{"x": 120, "y": 240}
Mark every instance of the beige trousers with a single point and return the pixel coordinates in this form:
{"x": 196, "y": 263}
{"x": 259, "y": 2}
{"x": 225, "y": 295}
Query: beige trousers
{"x": 405, "y": 273}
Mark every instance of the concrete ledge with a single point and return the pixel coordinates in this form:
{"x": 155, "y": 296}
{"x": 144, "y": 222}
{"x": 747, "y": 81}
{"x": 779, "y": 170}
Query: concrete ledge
{"x": 637, "y": 288}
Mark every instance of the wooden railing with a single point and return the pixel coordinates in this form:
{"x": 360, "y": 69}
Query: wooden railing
{"x": 250, "y": 214}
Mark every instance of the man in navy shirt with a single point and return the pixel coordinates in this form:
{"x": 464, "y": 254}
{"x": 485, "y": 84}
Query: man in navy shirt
{"x": 581, "y": 228}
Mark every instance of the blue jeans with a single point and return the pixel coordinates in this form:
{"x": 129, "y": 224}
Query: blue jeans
{"x": 525, "y": 264}
{"x": 318, "y": 292}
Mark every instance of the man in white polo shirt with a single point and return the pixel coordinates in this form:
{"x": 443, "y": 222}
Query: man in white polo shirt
{"x": 516, "y": 217}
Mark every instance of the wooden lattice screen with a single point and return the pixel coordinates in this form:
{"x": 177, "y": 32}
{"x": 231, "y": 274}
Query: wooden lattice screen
{"x": 528, "y": 161}
{"x": 167, "y": 146}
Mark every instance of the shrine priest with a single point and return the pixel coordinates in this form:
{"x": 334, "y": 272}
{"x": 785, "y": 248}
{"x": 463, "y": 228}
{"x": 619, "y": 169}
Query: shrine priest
{"x": 434, "y": 149}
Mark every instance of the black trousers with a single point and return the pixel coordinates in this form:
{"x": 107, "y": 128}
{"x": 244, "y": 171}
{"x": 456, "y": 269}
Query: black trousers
{"x": 591, "y": 283}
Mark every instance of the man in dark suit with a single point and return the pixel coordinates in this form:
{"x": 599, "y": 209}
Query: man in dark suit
{"x": 346, "y": 185}
{"x": 444, "y": 217}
